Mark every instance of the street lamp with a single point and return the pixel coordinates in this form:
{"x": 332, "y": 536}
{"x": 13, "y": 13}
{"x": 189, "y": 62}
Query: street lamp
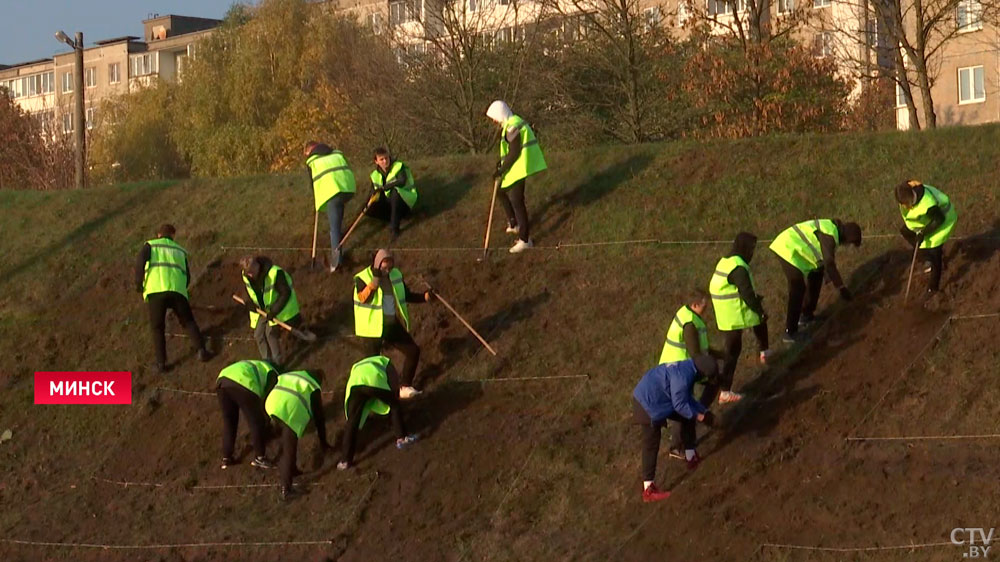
{"x": 79, "y": 119}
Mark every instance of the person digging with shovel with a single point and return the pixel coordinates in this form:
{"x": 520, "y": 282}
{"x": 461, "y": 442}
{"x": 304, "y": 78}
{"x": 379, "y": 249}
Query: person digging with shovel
{"x": 270, "y": 289}
{"x": 333, "y": 185}
{"x": 665, "y": 393}
{"x": 520, "y": 157}
{"x": 929, "y": 218}
{"x": 381, "y": 315}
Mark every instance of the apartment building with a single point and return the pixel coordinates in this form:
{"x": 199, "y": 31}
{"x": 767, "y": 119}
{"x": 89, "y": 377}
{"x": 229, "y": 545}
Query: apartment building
{"x": 45, "y": 87}
{"x": 965, "y": 74}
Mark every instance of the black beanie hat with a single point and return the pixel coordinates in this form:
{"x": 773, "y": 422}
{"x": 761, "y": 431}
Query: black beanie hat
{"x": 850, "y": 233}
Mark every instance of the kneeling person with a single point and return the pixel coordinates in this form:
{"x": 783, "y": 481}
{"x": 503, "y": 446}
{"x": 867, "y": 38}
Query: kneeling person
{"x": 294, "y": 401}
{"x": 394, "y": 194}
{"x": 241, "y": 387}
{"x": 373, "y": 388}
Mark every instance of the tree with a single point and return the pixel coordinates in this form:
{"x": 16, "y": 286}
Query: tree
{"x": 32, "y": 156}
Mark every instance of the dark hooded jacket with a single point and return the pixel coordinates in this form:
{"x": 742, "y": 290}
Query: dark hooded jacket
{"x": 743, "y": 247}
{"x": 280, "y": 285}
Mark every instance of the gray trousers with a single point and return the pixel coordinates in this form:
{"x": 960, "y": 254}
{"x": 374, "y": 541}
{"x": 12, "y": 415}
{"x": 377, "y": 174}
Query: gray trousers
{"x": 271, "y": 340}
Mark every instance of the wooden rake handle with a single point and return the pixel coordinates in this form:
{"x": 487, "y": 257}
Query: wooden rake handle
{"x": 464, "y": 322}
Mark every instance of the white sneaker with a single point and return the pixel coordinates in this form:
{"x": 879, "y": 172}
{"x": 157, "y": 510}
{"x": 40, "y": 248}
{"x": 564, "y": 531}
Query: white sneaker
{"x": 729, "y": 397}
{"x": 407, "y": 392}
{"x": 512, "y": 230}
{"x": 521, "y": 246}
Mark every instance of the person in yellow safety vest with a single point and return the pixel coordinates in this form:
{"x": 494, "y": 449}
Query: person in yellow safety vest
{"x": 372, "y": 389}
{"x": 687, "y": 337}
{"x": 929, "y": 218}
{"x": 270, "y": 289}
{"x": 295, "y": 400}
{"x": 807, "y": 252}
{"x": 162, "y": 275}
{"x": 241, "y": 387}
{"x": 520, "y": 157}
{"x": 333, "y": 186}
{"x": 381, "y": 315}
{"x": 737, "y": 307}
{"x": 393, "y": 191}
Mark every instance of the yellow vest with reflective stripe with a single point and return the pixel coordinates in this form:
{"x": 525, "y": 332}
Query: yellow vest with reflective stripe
{"x": 271, "y": 295}
{"x": 330, "y": 175}
{"x": 166, "y": 269}
{"x": 251, "y": 374}
{"x": 530, "y": 161}
{"x": 916, "y": 217}
{"x": 799, "y": 244}
{"x": 369, "y": 372}
{"x": 368, "y": 317}
{"x": 674, "y": 349}
{"x": 289, "y": 400}
{"x": 407, "y": 191}
{"x": 731, "y": 312}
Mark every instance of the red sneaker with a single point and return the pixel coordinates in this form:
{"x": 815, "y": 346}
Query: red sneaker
{"x": 653, "y": 494}
{"x": 694, "y": 462}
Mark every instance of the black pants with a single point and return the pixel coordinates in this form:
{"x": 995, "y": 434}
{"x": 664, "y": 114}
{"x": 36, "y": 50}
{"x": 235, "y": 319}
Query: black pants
{"x": 359, "y": 396}
{"x": 650, "y": 436}
{"x": 734, "y": 346}
{"x": 289, "y": 454}
{"x": 708, "y": 395}
{"x": 234, "y": 399}
{"x": 512, "y": 199}
{"x": 158, "y": 303}
{"x": 395, "y": 335}
{"x": 389, "y": 208}
{"x": 935, "y": 257}
{"x": 800, "y": 301}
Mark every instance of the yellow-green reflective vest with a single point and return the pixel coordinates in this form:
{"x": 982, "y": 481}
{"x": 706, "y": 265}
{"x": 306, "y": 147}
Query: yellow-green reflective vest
{"x": 799, "y": 244}
{"x": 674, "y": 349}
{"x": 369, "y": 372}
{"x": 731, "y": 312}
{"x": 166, "y": 269}
{"x": 330, "y": 175}
{"x": 289, "y": 400}
{"x": 531, "y": 159}
{"x": 916, "y": 218}
{"x": 407, "y": 191}
{"x": 271, "y": 295}
{"x": 251, "y": 374}
{"x": 368, "y": 316}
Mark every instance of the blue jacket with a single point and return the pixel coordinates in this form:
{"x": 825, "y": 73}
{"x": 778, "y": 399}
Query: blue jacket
{"x": 666, "y": 389}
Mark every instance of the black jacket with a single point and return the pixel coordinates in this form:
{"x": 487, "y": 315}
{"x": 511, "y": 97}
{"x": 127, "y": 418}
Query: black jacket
{"x": 281, "y": 285}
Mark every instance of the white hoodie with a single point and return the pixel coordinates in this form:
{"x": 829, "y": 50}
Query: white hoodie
{"x": 499, "y": 112}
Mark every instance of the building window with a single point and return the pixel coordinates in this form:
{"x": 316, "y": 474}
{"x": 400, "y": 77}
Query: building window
{"x": 376, "y": 22}
{"x": 823, "y": 44}
{"x": 67, "y": 82}
{"x": 67, "y": 124}
{"x": 724, "y": 7}
{"x": 474, "y": 5}
{"x": 820, "y": 3}
{"x": 191, "y": 50}
{"x": 114, "y": 73}
{"x": 27, "y": 86}
{"x": 785, "y": 6}
{"x": 505, "y": 35}
{"x": 48, "y": 82}
{"x": 144, "y": 64}
{"x": 90, "y": 77}
{"x": 971, "y": 85}
{"x": 969, "y": 15}
{"x": 401, "y": 12}
{"x": 900, "y": 96}
{"x": 651, "y": 18}
{"x": 90, "y": 118}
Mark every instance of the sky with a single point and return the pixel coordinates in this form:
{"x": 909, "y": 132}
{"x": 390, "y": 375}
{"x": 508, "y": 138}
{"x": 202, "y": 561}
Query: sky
{"x": 27, "y": 26}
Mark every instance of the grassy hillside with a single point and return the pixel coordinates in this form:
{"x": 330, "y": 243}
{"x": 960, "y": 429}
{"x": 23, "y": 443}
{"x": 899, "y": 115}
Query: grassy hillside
{"x": 509, "y": 470}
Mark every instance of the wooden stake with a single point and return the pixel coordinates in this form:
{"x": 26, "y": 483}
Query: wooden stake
{"x": 913, "y": 263}
{"x": 489, "y": 222}
{"x": 312, "y": 264}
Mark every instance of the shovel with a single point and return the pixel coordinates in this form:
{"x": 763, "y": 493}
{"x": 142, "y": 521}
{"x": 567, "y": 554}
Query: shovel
{"x": 304, "y": 335}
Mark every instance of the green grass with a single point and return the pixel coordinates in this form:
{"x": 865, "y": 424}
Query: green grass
{"x": 67, "y": 302}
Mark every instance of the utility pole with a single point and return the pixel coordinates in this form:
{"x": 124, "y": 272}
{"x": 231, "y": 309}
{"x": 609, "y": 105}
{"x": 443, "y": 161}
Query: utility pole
{"x": 79, "y": 114}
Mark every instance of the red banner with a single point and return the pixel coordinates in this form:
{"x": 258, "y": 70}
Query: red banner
{"x": 83, "y": 387}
